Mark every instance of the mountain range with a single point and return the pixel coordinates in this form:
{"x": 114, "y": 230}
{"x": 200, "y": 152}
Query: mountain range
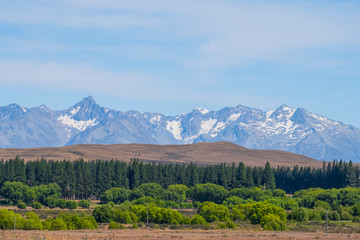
{"x": 286, "y": 128}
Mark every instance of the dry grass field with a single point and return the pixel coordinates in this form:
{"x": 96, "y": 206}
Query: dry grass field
{"x": 169, "y": 234}
{"x": 200, "y": 153}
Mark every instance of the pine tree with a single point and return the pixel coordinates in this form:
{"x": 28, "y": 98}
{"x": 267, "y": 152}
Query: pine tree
{"x": 268, "y": 179}
{"x": 241, "y": 175}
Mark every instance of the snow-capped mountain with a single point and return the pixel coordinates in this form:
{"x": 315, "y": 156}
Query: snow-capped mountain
{"x": 288, "y": 129}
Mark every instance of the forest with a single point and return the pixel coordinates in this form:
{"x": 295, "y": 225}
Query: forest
{"x": 89, "y": 179}
{"x": 134, "y": 194}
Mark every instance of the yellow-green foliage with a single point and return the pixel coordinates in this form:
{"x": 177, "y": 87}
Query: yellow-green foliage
{"x": 272, "y": 222}
{"x": 198, "y": 220}
{"x": 214, "y": 212}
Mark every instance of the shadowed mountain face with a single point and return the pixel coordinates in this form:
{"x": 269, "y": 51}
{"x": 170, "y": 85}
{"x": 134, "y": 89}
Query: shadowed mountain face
{"x": 287, "y": 129}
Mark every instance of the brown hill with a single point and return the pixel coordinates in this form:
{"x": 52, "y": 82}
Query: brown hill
{"x": 199, "y": 153}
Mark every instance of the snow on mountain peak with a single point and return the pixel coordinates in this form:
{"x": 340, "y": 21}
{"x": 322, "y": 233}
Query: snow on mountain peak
{"x": 175, "y": 128}
{"x": 203, "y": 110}
{"x": 80, "y": 125}
{"x": 75, "y": 110}
{"x": 285, "y": 128}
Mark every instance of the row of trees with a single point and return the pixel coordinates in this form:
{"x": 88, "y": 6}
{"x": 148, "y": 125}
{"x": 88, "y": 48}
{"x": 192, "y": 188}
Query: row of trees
{"x": 336, "y": 174}
{"x": 82, "y": 179}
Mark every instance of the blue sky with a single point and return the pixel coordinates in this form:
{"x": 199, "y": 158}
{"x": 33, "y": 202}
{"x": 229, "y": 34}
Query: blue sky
{"x": 173, "y": 56}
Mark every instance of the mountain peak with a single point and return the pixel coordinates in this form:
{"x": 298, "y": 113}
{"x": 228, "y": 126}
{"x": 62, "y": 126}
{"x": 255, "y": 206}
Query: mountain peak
{"x": 89, "y": 100}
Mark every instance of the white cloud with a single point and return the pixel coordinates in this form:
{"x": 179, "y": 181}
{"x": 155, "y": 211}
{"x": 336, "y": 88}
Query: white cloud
{"x": 218, "y": 33}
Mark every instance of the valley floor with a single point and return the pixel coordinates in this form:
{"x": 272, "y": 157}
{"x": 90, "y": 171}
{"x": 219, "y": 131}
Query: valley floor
{"x": 170, "y": 234}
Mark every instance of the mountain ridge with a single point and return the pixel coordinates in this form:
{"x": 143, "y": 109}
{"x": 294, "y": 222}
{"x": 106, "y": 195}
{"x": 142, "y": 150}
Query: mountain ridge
{"x": 285, "y": 128}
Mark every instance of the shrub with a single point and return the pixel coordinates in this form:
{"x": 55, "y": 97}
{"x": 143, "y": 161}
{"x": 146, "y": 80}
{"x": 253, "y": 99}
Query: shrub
{"x": 230, "y": 202}
{"x": 114, "y": 225}
{"x": 84, "y": 203}
{"x": 71, "y": 205}
{"x": 209, "y": 192}
{"x": 334, "y": 216}
{"x": 7, "y": 219}
{"x": 239, "y": 212}
{"x": 54, "y": 224}
{"x": 32, "y": 222}
{"x": 144, "y": 201}
{"x": 198, "y": 220}
{"x": 121, "y": 216}
{"x": 36, "y": 205}
{"x": 289, "y": 204}
{"x": 134, "y": 226}
{"x": 256, "y": 194}
{"x": 116, "y": 195}
{"x": 314, "y": 215}
{"x": 21, "y": 205}
{"x": 322, "y": 204}
{"x": 61, "y": 203}
{"x": 186, "y": 205}
{"x": 171, "y": 204}
{"x": 230, "y": 224}
{"x": 221, "y": 225}
{"x": 103, "y": 213}
{"x": 258, "y": 210}
{"x": 299, "y": 215}
{"x": 272, "y": 222}
{"x": 214, "y": 212}
{"x": 153, "y": 190}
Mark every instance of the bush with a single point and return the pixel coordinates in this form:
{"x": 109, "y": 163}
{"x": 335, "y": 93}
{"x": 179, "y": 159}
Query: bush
{"x": 171, "y": 204}
{"x": 75, "y": 222}
{"x": 208, "y": 192}
{"x": 116, "y": 195}
{"x": 239, "y": 212}
{"x": 36, "y": 205}
{"x": 84, "y": 203}
{"x": 71, "y": 205}
{"x": 134, "y": 226}
{"x": 230, "y": 224}
{"x": 153, "y": 190}
{"x": 121, "y": 216}
{"x": 114, "y": 225}
{"x": 232, "y": 201}
{"x": 256, "y": 194}
{"x": 186, "y": 205}
{"x": 299, "y": 215}
{"x": 21, "y": 205}
{"x": 258, "y": 210}
{"x": 198, "y": 220}
{"x": 144, "y": 201}
{"x": 54, "y": 224}
{"x": 272, "y": 222}
{"x": 289, "y": 204}
{"x": 32, "y": 222}
{"x": 214, "y": 212}
{"x": 314, "y": 215}
{"x": 221, "y": 225}
{"x": 61, "y": 203}
{"x": 7, "y": 219}
{"x": 103, "y": 213}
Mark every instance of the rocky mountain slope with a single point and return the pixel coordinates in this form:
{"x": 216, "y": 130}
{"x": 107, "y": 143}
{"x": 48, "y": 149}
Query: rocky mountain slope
{"x": 287, "y": 129}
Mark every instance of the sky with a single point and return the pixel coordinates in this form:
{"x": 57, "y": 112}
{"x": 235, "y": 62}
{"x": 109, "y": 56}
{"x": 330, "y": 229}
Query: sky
{"x": 174, "y": 56}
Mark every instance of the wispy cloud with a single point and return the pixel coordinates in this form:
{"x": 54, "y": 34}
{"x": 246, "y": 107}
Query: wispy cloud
{"x": 219, "y": 33}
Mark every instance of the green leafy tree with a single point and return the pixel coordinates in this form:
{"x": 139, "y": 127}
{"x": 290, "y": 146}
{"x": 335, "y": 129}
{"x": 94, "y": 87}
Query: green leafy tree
{"x": 214, "y": 212}
{"x": 208, "y": 192}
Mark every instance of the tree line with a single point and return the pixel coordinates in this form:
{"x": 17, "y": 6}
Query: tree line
{"x": 81, "y": 179}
